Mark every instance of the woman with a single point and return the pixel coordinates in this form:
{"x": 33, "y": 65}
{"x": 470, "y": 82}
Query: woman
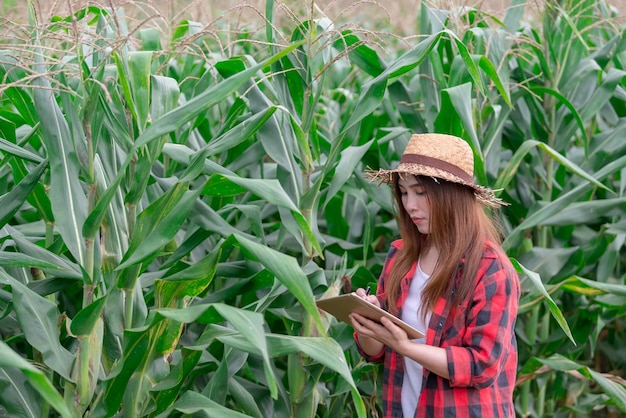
{"x": 448, "y": 276}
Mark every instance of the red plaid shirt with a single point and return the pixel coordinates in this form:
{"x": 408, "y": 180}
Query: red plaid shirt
{"x": 479, "y": 339}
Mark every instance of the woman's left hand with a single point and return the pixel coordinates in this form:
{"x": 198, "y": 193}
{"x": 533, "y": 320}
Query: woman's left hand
{"x": 385, "y": 332}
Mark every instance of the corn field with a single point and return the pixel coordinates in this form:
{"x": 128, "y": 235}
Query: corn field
{"x": 174, "y": 198}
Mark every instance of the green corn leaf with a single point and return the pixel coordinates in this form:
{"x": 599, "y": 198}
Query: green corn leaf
{"x": 467, "y": 58}
{"x": 275, "y": 135}
{"x": 269, "y": 16}
{"x": 592, "y": 212}
{"x": 94, "y": 220}
{"x": 549, "y": 263}
{"x": 514, "y": 15}
{"x": 193, "y": 402}
{"x": 565, "y": 199}
{"x": 68, "y": 199}
{"x": 245, "y": 398}
{"x": 563, "y": 100}
{"x": 139, "y": 63}
{"x": 81, "y": 14}
{"x": 279, "y": 143}
{"x": 510, "y": 170}
{"x": 248, "y": 324}
{"x": 12, "y": 149}
{"x": 286, "y": 271}
{"x": 360, "y": 53}
{"x": 123, "y": 78}
{"x": 136, "y": 351}
{"x": 447, "y": 120}
{"x": 251, "y": 327}
{"x": 350, "y": 158}
{"x": 85, "y": 320}
{"x": 582, "y": 286}
{"x": 62, "y": 267}
{"x": 554, "y": 309}
{"x": 164, "y": 95}
{"x": 12, "y": 72}
{"x": 17, "y": 397}
{"x": 269, "y": 190}
{"x": 187, "y": 283}
{"x": 158, "y": 224}
{"x": 326, "y": 351}
{"x": 72, "y": 117}
{"x": 240, "y": 132}
{"x": 39, "y": 319}
{"x": 114, "y": 124}
{"x": 12, "y": 259}
{"x": 11, "y": 202}
{"x": 210, "y": 97}
{"x": 369, "y": 100}
{"x": 560, "y": 363}
{"x": 216, "y": 389}
{"x": 168, "y": 391}
{"x": 142, "y": 172}
{"x": 38, "y": 197}
{"x": 295, "y": 88}
{"x": 413, "y": 120}
{"x": 36, "y": 379}
{"x": 303, "y": 146}
{"x": 487, "y": 66}
{"x": 608, "y": 383}
{"x": 410, "y": 59}
{"x": 177, "y": 291}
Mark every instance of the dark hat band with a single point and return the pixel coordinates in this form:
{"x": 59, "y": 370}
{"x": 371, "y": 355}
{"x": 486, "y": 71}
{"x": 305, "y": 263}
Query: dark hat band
{"x": 437, "y": 163}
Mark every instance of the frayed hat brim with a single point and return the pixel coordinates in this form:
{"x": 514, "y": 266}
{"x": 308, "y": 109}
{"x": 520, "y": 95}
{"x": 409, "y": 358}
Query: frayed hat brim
{"x": 483, "y": 194}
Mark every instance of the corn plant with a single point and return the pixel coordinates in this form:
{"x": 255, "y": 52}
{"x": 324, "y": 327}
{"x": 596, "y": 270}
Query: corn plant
{"x": 171, "y": 207}
{"x": 158, "y": 251}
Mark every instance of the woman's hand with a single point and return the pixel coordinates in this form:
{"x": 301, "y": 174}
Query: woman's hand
{"x": 389, "y": 334}
{"x": 364, "y": 294}
{"x": 374, "y": 335}
{"x": 370, "y": 345}
{"x": 385, "y": 331}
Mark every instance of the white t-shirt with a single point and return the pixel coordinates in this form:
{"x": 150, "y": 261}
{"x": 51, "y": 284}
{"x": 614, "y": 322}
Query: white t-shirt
{"x": 412, "y": 384}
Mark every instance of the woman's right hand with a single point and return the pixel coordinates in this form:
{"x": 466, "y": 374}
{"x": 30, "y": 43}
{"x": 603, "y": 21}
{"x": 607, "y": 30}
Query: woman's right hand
{"x": 365, "y": 328}
{"x": 373, "y": 299}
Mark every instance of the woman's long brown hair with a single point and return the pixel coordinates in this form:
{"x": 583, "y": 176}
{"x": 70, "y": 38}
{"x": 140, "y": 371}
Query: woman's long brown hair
{"x": 458, "y": 228}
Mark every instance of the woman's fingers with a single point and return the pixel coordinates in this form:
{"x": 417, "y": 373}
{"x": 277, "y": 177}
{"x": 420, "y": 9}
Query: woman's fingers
{"x": 397, "y": 332}
{"x": 362, "y": 293}
{"x": 364, "y": 326}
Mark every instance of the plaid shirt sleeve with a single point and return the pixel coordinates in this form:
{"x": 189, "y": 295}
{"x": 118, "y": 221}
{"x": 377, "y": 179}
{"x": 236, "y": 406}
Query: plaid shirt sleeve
{"x": 481, "y": 331}
{"x": 479, "y": 338}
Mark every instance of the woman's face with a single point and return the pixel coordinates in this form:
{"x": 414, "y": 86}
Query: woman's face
{"x": 415, "y": 202}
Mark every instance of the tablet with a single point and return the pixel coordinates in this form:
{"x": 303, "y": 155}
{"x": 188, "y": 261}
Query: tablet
{"x": 341, "y": 306}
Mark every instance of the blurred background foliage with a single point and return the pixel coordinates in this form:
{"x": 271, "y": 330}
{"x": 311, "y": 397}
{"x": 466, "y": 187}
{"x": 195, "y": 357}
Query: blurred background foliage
{"x": 180, "y": 182}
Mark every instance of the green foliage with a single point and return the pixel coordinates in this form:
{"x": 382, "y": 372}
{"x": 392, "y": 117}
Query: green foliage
{"x": 171, "y": 208}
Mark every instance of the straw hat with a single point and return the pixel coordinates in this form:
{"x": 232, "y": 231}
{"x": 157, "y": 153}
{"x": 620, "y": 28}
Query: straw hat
{"x": 440, "y": 156}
